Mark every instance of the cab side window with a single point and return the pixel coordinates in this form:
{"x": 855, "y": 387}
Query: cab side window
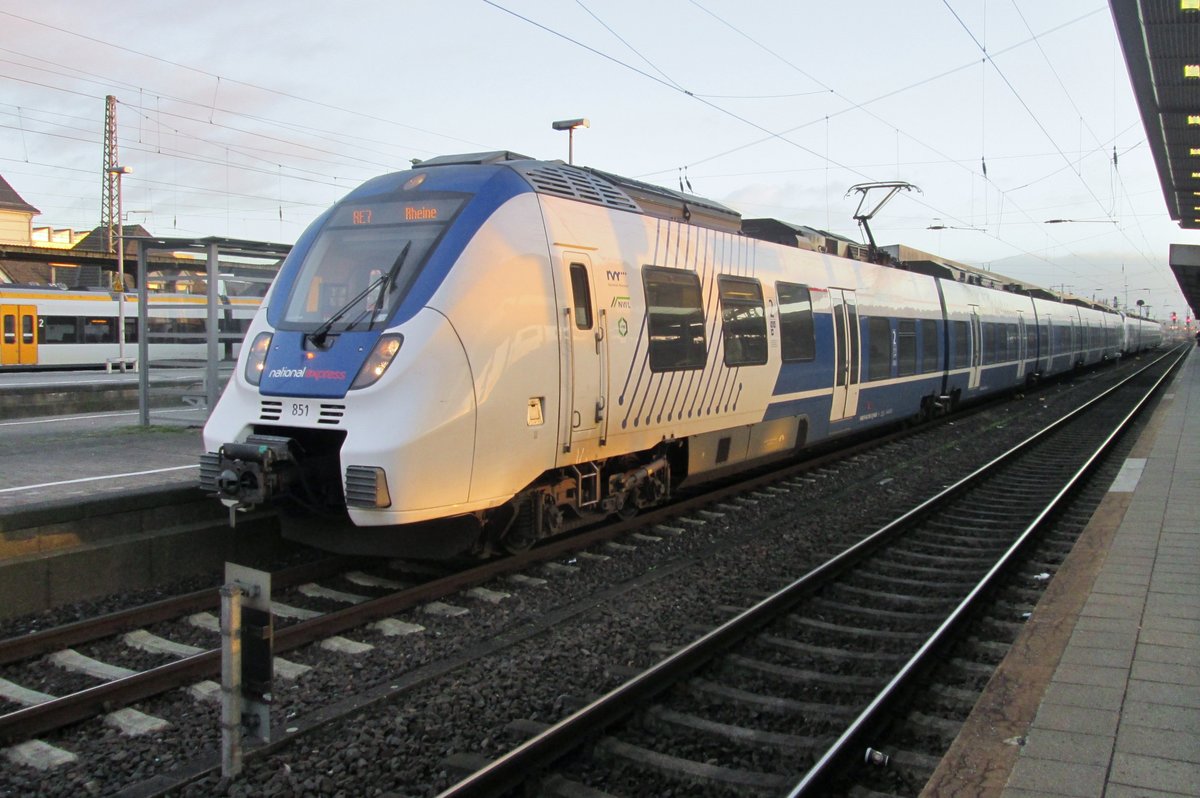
{"x": 581, "y": 296}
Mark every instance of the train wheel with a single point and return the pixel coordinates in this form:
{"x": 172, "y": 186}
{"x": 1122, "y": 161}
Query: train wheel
{"x": 628, "y": 510}
{"x": 522, "y": 533}
{"x": 537, "y": 518}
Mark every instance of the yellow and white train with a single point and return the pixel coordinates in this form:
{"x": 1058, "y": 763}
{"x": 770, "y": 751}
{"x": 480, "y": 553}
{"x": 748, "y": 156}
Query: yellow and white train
{"x": 43, "y": 326}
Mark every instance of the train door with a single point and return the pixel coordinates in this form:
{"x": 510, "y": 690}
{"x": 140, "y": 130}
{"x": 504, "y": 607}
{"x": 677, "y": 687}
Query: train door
{"x": 1076, "y": 359}
{"x": 1046, "y": 345}
{"x": 846, "y": 348}
{"x": 976, "y": 349}
{"x": 18, "y": 341}
{"x": 585, "y": 351}
{"x": 1022, "y": 348}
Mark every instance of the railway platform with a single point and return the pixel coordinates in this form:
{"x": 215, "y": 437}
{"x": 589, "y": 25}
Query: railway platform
{"x": 69, "y": 459}
{"x": 94, "y": 503}
{"x": 26, "y": 394}
{"x": 1100, "y": 694}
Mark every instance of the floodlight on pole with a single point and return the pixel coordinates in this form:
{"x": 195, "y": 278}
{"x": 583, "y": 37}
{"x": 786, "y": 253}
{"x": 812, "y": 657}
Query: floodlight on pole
{"x": 569, "y": 125}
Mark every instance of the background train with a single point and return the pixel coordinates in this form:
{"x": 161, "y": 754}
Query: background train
{"x": 45, "y": 326}
{"x": 488, "y": 349}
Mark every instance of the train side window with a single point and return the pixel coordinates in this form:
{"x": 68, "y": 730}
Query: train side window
{"x": 989, "y": 343}
{"x": 961, "y": 336}
{"x": 190, "y": 329}
{"x": 581, "y": 294}
{"x": 27, "y": 330}
{"x": 906, "y": 347}
{"x": 59, "y": 329}
{"x": 879, "y": 348}
{"x": 797, "y": 335}
{"x": 10, "y": 328}
{"x": 99, "y": 331}
{"x": 743, "y": 321}
{"x": 1062, "y": 339}
{"x": 674, "y": 319}
{"x": 232, "y": 329}
{"x": 929, "y": 345}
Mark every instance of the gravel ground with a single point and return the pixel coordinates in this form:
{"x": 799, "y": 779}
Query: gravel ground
{"x": 576, "y": 637}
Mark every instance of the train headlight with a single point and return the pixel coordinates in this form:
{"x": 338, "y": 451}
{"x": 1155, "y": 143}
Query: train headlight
{"x": 258, "y": 358}
{"x": 380, "y": 358}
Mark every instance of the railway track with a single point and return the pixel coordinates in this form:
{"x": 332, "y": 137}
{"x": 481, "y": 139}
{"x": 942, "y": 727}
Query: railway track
{"x": 789, "y": 693}
{"x": 164, "y": 676}
{"x": 104, "y": 686}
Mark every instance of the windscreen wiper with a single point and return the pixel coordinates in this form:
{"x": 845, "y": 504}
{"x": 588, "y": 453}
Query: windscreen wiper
{"x": 319, "y": 335}
{"x": 389, "y": 284}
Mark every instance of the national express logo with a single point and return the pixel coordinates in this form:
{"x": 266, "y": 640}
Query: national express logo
{"x": 306, "y": 373}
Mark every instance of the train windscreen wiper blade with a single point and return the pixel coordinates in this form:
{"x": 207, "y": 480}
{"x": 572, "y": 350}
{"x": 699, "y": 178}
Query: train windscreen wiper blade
{"x": 388, "y": 284}
{"x": 382, "y": 282}
{"x": 319, "y": 335}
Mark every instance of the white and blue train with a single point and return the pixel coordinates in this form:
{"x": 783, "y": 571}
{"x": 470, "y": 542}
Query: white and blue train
{"x": 489, "y": 349}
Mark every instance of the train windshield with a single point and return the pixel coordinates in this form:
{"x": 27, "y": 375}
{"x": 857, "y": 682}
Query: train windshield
{"x": 363, "y": 262}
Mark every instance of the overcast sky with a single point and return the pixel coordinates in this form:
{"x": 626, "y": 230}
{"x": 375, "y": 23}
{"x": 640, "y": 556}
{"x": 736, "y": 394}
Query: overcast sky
{"x": 247, "y": 119}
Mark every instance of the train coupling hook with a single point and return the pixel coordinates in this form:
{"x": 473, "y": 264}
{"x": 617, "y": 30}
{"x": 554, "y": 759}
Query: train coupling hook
{"x": 244, "y": 475}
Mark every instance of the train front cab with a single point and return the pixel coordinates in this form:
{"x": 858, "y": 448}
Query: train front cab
{"x": 19, "y": 343}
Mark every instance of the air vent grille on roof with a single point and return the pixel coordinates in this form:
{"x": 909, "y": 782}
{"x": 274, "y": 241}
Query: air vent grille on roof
{"x": 567, "y": 181}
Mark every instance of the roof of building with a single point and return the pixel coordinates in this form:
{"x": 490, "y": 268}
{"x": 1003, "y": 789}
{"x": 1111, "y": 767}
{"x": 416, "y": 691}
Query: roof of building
{"x": 10, "y": 200}
{"x": 94, "y": 241}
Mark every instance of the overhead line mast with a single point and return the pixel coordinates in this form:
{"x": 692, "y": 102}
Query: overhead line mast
{"x": 108, "y": 194}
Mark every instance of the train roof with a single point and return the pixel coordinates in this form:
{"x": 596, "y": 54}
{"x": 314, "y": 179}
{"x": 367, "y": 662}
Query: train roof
{"x": 597, "y": 187}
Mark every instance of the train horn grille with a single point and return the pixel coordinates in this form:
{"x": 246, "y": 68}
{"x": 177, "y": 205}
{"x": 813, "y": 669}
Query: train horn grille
{"x": 331, "y": 414}
{"x": 327, "y": 414}
{"x": 210, "y": 469}
{"x": 366, "y": 486}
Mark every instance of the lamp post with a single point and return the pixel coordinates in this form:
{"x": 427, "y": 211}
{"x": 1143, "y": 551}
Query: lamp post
{"x": 1143, "y": 306}
{"x": 119, "y": 171}
{"x": 569, "y": 125}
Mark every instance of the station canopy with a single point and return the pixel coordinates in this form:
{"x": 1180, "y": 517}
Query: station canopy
{"x": 1161, "y": 42}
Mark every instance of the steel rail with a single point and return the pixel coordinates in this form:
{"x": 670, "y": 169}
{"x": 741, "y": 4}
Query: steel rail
{"x": 65, "y": 710}
{"x": 34, "y": 644}
{"x": 842, "y": 749}
{"x": 541, "y": 751}
{"x": 76, "y": 707}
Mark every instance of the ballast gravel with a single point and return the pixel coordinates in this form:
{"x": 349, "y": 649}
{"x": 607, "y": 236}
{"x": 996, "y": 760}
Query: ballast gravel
{"x": 540, "y": 653}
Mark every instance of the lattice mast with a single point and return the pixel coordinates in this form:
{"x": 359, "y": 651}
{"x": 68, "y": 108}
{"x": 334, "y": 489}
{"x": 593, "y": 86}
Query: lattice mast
{"x": 108, "y": 196}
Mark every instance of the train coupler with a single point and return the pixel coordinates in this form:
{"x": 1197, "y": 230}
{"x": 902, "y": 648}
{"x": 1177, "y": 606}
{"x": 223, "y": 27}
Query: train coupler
{"x": 245, "y": 475}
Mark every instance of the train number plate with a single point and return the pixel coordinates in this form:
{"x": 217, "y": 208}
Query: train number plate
{"x": 299, "y": 409}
